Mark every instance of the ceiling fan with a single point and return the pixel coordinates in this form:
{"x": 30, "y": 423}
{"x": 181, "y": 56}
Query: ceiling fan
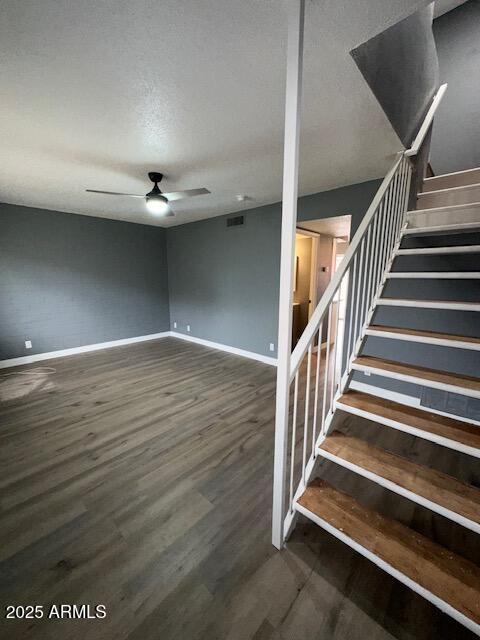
{"x": 156, "y": 201}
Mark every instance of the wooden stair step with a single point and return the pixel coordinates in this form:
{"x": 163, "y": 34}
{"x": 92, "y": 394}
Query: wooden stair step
{"x": 455, "y": 434}
{"x": 449, "y": 581}
{"x": 447, "y": 180}
{"x": 453, "y": 214}
{"x": 437, "y": 491}
{"x": 433, "y": 251}
{"x": 435, "y": 275}
{"x": 453, "y": 305}
{"x": 426, "y": 337}
{"x": 465, "y": 194}
{"x": 461, "y": 227}
{"x": 465, "y": 385}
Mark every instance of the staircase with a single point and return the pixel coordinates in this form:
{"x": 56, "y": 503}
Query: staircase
{"x": 412, "y": 317}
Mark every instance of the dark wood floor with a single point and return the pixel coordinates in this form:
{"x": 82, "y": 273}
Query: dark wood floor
{"x": 140, "y": 478}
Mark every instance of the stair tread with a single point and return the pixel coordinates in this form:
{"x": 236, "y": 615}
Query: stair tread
{"x": 439, "y": 488}
{"x": 425, "y": 334}
{"x": 444, "y": 574}
{"x": 449, "y": 275}
{"x": 468, "y": 248}
{"x": 451, "y": 208}
{"x": 455, "y": 179}
{"x": 458, "y": 188}
{"x": 413, "y": 302}
{"x": 443, "y": 426}
{"x": 424, "y": 373}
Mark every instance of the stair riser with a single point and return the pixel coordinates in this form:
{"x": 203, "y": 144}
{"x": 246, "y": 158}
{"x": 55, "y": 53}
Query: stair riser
{"x": 461, "y": 215}
{"x": 421, "y": 382}
{"x": 418, "y": 433}
{"x": 460, "y": 179}
{"x": 447, "y": 359}
{"x": 448, "y": 198}
{"x": 466, "y": 323}
{"x": 452, "y": 290}
{"x": 440, "y": 240}
{"x": 438, "y": 262}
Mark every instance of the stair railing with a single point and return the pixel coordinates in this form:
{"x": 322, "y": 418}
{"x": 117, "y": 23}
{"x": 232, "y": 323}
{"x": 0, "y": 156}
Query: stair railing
{"x": 320, "y": 365}
{"x": 321, "y": 360}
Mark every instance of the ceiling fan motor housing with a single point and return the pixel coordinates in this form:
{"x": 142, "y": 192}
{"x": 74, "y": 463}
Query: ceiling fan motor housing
{"x": 155, "y": 176}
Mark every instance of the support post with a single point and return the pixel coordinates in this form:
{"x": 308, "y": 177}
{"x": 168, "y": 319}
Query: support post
{"x": 296, "y": 9}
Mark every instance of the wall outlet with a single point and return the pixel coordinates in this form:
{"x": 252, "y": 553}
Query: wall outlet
{"x": 175, "y": 325}
{"x": 272, "y": 346}
{"x": 188, "y": 328}
{"x": 28, "y": 344}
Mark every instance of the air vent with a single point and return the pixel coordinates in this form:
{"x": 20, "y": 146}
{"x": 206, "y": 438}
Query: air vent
{"x": 236, "y": 221}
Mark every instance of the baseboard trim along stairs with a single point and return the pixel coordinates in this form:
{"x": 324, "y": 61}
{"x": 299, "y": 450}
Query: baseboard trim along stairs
{"x": 449, "y": 581}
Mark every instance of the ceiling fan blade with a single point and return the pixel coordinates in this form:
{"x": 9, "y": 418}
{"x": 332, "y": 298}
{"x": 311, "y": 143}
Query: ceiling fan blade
{"x": 114, "y": 193}
{"x": 178, "y": 195}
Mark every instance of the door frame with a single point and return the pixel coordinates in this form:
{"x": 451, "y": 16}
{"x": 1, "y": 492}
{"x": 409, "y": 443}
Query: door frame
{"x": 312, "y": 294}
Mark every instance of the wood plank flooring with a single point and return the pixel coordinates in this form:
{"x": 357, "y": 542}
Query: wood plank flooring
{"x": 140, "y": 477}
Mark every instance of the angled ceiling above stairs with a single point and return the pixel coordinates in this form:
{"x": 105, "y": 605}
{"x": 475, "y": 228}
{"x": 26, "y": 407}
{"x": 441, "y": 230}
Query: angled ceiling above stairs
{"x": 96, "y": 94}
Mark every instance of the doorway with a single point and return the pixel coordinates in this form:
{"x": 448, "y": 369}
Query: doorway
{"x": 319, "y": 249}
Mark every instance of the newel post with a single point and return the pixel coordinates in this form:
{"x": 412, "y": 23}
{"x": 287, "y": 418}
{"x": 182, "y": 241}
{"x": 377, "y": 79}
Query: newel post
{"x": 293, "y": 100}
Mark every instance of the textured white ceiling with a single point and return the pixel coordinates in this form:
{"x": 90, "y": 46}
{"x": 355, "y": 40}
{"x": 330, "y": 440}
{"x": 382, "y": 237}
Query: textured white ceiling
{"x": 96, "y": 94}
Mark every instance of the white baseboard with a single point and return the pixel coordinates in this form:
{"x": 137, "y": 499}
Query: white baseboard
{"x": 401, "y": 398}
{"x": 61, "y": 353}
{"x": 225, "y": 347}
{"x": 15, "y": 362}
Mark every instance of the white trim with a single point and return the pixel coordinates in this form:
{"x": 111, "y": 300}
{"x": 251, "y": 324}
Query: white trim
{"x": 401, "y": 577}
{"x": 291, "y": 149}
{"x": 400, "y": 490}
{"x": 402, "y": 398}
{"x": 412, "y": 378}
{"x": 430, "y": 304}
{"x": 407, "y": 337}
{"x": 435, "y": 275}
{"x": 407, "y": 428}
{"x": 61, "y": 353}
{"x": 225, "y": 347}
{"x": 461, "y": 226}
{"x": 472, "y": 248}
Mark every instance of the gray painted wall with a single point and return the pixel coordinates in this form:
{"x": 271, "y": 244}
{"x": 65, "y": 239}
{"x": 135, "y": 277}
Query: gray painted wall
{"x": 456, "y": 132}
{"x": 70, "y": 280}
{"x": 224, "y": 281}
{"x": 401, "y": 67}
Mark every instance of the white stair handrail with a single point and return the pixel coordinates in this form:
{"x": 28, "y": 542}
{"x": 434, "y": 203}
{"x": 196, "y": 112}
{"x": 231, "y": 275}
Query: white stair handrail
{"x": 351, "y": 296}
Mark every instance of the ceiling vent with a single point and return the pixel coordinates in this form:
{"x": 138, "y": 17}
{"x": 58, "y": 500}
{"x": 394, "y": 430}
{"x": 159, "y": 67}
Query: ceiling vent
{"x": 236, "y": 221}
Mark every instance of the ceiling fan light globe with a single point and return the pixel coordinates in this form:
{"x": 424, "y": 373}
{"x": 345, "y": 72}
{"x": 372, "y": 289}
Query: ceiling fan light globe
{"x": 158, "y": 205}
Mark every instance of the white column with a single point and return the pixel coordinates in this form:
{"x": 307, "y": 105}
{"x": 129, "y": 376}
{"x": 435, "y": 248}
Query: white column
{"x": 296, "y": 13}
